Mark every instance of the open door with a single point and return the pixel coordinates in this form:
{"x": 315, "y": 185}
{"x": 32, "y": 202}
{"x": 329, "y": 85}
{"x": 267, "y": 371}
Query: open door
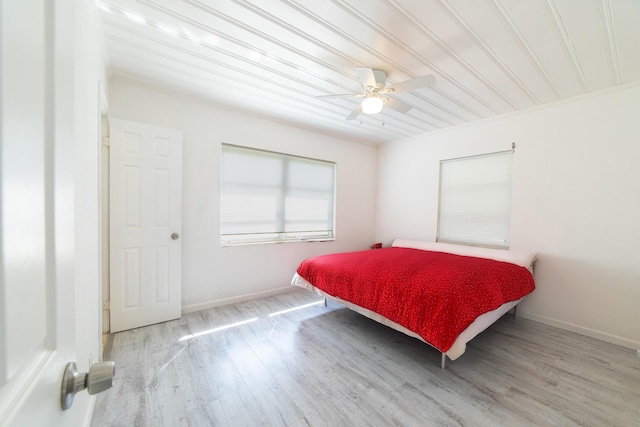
{"x": 145, "y": 224}
{"x": 44, "y": 316}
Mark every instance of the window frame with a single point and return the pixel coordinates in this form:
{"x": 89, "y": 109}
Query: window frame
{"x": 280, "y": 234}
{"x": 476, "y": 238}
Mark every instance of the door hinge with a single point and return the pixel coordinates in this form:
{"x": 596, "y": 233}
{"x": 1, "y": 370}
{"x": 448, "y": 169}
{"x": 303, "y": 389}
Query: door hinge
{"x": 106, "y": 141}
{"x": 107, "y": 305}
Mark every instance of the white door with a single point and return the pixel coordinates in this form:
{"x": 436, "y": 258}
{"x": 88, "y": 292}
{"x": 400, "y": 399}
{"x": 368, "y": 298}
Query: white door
{"x": 37, "y": 304}
{"x": 145, "y": 224}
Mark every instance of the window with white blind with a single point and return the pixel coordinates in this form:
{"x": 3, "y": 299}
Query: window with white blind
{"x": 274, "y": 197}
{"x": 475, "y": 200}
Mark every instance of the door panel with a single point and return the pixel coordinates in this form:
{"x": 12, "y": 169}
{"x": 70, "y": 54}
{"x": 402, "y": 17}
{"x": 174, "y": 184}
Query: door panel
{"x": 146, "y": 185}
{"x": 25, "y": 350}
{"x": 37, "y": 225}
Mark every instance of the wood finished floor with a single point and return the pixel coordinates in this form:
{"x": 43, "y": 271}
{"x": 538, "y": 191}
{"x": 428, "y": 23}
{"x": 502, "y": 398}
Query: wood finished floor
{"x": 329, "y": 366}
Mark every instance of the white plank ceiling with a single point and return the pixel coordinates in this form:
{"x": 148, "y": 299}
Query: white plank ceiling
{"x": 273, "y": 57}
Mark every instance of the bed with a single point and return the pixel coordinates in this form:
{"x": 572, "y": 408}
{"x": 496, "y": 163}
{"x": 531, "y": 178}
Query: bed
{"x": 439, "y": 293}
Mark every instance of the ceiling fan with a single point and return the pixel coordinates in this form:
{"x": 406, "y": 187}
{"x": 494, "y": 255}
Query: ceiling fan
{"x": 373, "y": 90}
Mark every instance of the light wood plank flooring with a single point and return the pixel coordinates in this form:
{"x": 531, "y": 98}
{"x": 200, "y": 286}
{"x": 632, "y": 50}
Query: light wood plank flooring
{"x": 329, "y": 366}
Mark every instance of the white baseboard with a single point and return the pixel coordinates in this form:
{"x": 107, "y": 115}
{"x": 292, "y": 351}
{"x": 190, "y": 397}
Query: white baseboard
{"x": 593, "y": 333}
{"x": 232, "y": 300}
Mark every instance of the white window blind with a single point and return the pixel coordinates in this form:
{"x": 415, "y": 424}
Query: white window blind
{"x": 271, "y": 197}
{"x": 475, "y": 200}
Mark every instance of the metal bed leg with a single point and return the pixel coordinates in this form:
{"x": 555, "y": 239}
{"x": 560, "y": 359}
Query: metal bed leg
{"x": 325, "y": 302}
{"x": 443, "y": 364}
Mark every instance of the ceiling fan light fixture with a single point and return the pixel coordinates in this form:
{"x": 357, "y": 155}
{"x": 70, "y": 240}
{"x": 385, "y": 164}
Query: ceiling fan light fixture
{"x": 372, "y": 105}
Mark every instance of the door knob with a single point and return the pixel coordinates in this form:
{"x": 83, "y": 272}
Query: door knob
{"x": 175, "y": 236}
{"x": 99, "y": 378}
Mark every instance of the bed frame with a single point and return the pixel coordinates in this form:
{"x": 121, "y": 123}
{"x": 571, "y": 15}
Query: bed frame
{"x": 459, "y": 346}
{"x": 481, "y": 323}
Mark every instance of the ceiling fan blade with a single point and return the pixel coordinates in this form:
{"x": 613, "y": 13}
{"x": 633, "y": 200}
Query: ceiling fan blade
{"x": 366, "y": 76}
{"x": 340, "y": 95}
{"x": 424, "y": 81}
{"x": 397, "y": 105}
{"x": 355, "y": 113}
{"x": 371, "y": 77}
{"x": 380, "y": 77}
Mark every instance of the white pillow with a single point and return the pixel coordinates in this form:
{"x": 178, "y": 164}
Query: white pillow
{"x": 522, "y": 259}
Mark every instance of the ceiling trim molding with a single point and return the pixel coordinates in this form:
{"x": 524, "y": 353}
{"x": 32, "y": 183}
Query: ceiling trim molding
{"x": 430, "y": 125}
{"x": 330, "y": 27}
{"x": 207, "y": 58}
{"x": 417, "y": 24}
{"x": 376, "y": 28}
{"x": 276, "y": 21}
{"x": 464, "y": 25}
{"x": 444, "y": 46}
{"x": 237, "y": 71}
{"x": 397, "y": 125}
{"x": 397, "y": 66}
{"x": 257, "y": 33}
{"x": 192, "y": 97}
{"x": 607, "y": 29}
{"x": 500, "y": 10}
{"x": 362, "y": 46}
{"x": 562, "y": 34}
{"x": 208, "y": 9}
{"x": 345, "y": 36}
{"x": 577, "y": 98}
{"x": 300, "y": 106}
{"x": 295, "y": 61}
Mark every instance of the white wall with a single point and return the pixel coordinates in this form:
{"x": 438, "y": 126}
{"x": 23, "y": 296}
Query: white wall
{"x": 213, "y": 275}
{"x": 576, "y": 202}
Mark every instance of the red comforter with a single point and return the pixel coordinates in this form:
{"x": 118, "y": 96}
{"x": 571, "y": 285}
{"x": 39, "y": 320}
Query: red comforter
{"x": 436, "y": 295}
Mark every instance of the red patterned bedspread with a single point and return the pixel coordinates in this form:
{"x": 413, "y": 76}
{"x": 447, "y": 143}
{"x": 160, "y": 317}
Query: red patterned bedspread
{"x": 434, "y": 294}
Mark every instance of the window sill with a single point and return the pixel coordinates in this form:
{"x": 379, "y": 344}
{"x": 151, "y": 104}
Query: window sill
{"x": 316, "y": 240}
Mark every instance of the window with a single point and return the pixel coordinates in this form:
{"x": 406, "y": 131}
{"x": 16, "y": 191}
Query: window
{"x": 273, "y": 197}
{"x": 475, "y": 200}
